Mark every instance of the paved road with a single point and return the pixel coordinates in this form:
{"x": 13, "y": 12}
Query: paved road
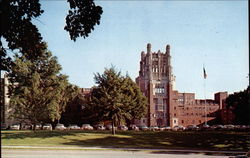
{"x": 42, "y": 153}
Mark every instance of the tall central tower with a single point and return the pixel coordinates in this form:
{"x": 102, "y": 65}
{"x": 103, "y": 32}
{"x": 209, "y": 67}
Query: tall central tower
{"x": 156, "y": 81}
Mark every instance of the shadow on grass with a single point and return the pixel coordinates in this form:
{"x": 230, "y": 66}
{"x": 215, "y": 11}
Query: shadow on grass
{"x": 227, "y": 141}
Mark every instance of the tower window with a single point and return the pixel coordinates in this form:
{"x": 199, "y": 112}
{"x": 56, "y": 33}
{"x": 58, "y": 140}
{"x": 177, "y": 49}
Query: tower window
{"x": 156, "y": 107}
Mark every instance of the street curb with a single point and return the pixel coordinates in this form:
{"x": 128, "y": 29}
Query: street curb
{"x": 120, "y": 149}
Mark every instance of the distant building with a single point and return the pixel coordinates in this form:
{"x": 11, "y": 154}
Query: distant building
{"x": 166, "y": 106}
{"x": 86, "y": 91}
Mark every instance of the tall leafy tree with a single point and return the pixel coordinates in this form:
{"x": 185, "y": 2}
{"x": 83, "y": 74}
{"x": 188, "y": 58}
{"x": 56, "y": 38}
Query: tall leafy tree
{"x": 19, "y": 32}
{"x": 116, "y": 98}
{"x": 73, "y": 112}
{"x": 38, "y": 91}
{"x": 239, "y": 103}
{"x": 136, "y": 100}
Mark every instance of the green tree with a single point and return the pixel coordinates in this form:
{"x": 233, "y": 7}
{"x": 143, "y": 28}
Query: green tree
{"x": 136, "y": 100}
{"x": 18, "y": 31}
{"x": 73, "y": 112}
{"x": 240, "y": 104}
{"x": 116, "y": 98}
{"x": 38, "y": 91}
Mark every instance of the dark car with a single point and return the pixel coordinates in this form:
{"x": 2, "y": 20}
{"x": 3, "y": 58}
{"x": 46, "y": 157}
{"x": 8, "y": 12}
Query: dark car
{"x": 192, "y": 128}
{"x": 99, "y": 127}
{"x": 133, "y": 127}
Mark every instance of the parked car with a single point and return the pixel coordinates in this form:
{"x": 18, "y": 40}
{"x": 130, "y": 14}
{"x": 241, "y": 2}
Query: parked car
{"x": 167, "y": 128}
{"x": 133, "y": 127}
{"x": 109, "y": 127}
{"x": 192, "y": 127}
{"x": 99, "y": 127}
{"x": 205, "y": 127}
{"x": 153, "y": 128}
{"x": 73, "y": 127}
{"x": 3, "y": 126}
{"x": 161, "y": 129}
{"x": 217, "y": 127}
{"x": 143, "y": 128}
{"x": 60, "y": 127}
{"x": 123, "y": 128}
{"x": 15, "y": 127}
{"x": 229, "y": 127}
{"x": 87, "y": 127}
{"x": 47, "y": 127}
{"x": 38, "y": 126}
{"x": 26, "y": 127}
{"x": 178, "y": 128}
{"x": 242, "y": 127}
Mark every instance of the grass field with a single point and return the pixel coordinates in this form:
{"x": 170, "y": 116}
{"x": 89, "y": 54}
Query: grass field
{"x": 201, "y": 140}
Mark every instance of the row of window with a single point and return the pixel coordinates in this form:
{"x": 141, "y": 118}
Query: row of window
{"x": 159, "y": 107}
{"x": 181, "y": 101}
{"x": 159, "y": 115}
{"x": 159, "y": 90}
{"x": 193, "y": 121}
{"x": 198, "y": 108}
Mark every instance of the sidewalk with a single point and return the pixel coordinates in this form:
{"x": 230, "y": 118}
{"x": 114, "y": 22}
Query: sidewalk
{"x": 123, "y": 149}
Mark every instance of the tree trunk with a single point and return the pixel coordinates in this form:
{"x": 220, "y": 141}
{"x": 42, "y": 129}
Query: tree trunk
{"x": 34, "y": 128}
{"x": 113, "y": 128}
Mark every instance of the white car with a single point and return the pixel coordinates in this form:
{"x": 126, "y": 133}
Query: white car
{"x": 60, "y": 127}
{"x": 143, "y": 128}
{"x": 73, "y": 127}
{"x": 153, "y": 128}
{"x": 15, "y": 127}
{"x": 87, "y": 127}
{"x": 178, "y": 128}
{"x": 123, "y": 128}
{"x": 47, "y": 127}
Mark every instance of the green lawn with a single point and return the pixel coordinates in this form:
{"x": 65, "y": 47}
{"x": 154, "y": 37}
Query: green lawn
{"x": 207, "y": 140}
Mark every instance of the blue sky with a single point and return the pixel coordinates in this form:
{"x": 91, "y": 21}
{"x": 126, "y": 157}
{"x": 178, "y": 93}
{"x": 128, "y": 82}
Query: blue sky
{"x": 214, "y": 33}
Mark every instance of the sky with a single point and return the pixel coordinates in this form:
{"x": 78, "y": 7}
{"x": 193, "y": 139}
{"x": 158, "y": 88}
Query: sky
{"x": 210, "y": 33}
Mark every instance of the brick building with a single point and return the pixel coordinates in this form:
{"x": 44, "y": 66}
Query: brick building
{"x": 168, "y": 107}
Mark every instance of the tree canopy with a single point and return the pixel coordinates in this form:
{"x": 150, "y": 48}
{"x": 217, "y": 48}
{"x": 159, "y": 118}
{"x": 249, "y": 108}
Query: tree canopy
{"x": 38, "y": 92}
{"x": 240, "y": 104}
{"x": 19, "y": 33}
{"x": 116, "y": 98}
